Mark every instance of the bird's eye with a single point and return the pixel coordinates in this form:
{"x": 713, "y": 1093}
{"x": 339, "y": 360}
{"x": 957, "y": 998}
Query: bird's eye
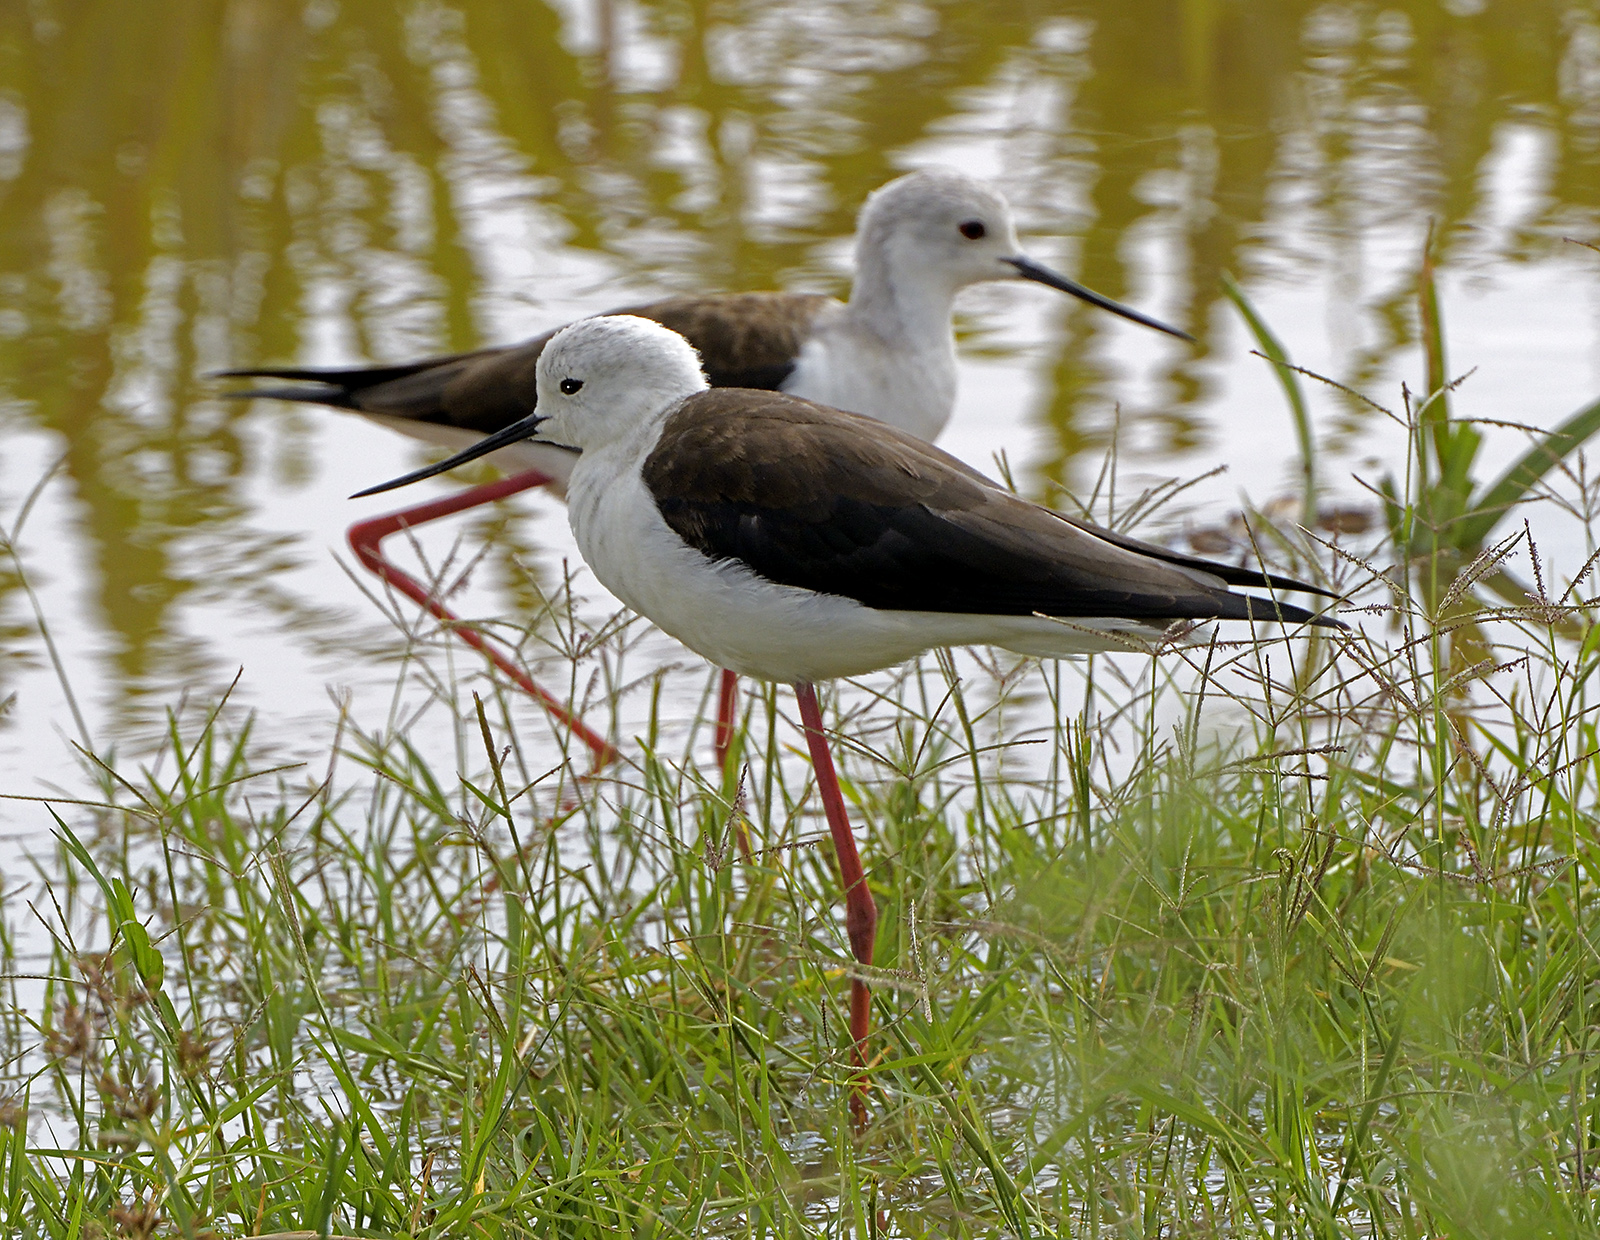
{"x": 570, "y": 387}
{"x": 972, "y": 230}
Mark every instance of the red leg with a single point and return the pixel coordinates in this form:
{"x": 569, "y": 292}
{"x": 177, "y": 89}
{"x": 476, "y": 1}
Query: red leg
{"x": 366, "y": 538}
{"x": 860, "y": 913}
{"x": 722, "y": 740}
{"x": 727, "y": 700}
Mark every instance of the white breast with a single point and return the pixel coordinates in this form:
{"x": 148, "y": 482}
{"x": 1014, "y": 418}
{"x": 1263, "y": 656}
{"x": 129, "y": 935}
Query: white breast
{"x": 911, "y": 386}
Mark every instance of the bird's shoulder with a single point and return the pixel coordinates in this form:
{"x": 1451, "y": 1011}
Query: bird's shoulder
{"x": 770, "y": 451}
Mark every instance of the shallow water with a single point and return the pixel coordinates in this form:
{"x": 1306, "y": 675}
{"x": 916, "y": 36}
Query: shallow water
{"x": 246, "y": 181}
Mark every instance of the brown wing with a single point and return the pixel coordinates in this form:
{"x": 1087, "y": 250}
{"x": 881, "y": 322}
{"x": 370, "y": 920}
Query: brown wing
{"x": 827, "y": 501}
{"x": 745, "y": 340}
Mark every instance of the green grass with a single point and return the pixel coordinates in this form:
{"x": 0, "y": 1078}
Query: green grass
{"x": 1288, "y": 939}
{"x": 1334, "y": 975}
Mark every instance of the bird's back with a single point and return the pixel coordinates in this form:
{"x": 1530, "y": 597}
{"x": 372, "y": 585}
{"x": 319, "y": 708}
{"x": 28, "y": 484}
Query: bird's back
{"x": 750, "y": 340}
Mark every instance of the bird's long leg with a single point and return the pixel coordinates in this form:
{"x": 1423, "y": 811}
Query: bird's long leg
{"x": 366, "y": 539}
{"x": 727, "y": 701}
{"x": 860, "y": 913}
{"x": 722, "y": 740}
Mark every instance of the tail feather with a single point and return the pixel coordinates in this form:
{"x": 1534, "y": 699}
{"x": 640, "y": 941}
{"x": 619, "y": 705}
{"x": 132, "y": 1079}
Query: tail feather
{"x": 336, "y": 386}
{"x": 350, "y": 378}
{"x": 308, "y": 396}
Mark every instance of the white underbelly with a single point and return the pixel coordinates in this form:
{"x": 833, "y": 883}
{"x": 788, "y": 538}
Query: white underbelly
{"x": 914, "y": 392}
{"x": 515, "y": 458}
{"x": 773, "y": 632}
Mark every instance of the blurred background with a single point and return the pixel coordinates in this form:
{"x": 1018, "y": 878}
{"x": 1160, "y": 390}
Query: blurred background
{"x": 193, "y": 184}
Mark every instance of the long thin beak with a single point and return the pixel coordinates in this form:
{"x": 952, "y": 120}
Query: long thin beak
{"x": 514, "y": 433}
{"x": 1038, "y": 272}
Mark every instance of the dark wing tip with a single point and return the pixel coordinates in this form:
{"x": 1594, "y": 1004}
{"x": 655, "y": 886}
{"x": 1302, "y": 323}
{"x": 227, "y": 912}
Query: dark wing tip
{"x": 336, "y": 397}
{"x": 1274, "y": 581}
{"x": 1251, "y": 577}
{"x": 1257, "y": 608}
{"x": 271, "y": 372}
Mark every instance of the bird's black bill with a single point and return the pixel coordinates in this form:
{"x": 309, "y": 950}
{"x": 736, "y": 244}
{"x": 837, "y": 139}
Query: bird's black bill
{"x": 1038, "y": 272}
{"x": 515, "y": 433}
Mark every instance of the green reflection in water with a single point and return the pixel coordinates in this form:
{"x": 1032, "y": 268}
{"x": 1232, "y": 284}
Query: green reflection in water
{"x": 200, "y": 183}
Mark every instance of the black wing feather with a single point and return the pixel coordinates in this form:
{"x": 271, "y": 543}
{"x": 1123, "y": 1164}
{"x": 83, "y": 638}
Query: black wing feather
{"x": 826, "y": 501}
{"x": 1233, "y": 574}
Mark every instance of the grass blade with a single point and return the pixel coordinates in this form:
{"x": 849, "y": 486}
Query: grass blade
{"x": 1517, "y": 483}
{"x": 1273, "y": 349}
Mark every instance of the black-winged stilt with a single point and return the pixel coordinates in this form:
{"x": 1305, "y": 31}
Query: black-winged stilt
{"x": 792, "y": 542}
{"x": 888, "y": 353}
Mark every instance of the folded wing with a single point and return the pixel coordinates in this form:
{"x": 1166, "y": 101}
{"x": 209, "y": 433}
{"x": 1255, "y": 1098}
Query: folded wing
{"x": 810, "y": 497}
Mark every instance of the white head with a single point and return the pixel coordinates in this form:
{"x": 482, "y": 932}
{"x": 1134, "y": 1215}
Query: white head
{"x": 940, "y": 225}
{"x": 924, "y": 236}
{"x": 600, "y": 378}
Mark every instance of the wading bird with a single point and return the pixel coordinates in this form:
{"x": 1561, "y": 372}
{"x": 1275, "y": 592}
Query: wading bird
{"x": 789, "y": 541}
{"x": 888, "y": 353}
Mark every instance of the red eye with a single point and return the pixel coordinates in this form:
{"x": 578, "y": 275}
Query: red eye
{"x": 973, "y": 229}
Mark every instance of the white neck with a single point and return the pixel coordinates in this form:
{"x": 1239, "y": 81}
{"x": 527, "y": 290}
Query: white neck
{"x": 890, "y": 353}
{"x": 904, "y": 302}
